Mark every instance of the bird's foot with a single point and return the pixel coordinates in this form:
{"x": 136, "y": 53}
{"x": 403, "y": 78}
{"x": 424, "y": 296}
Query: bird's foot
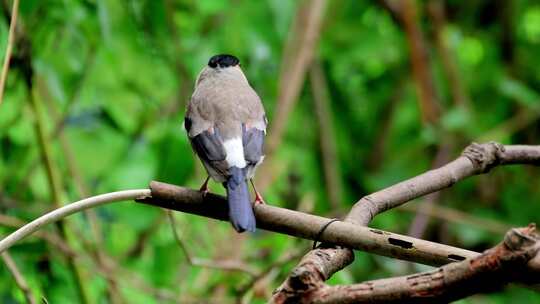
{"x": 204, "y": 188}
{"x": 259, "y": 199}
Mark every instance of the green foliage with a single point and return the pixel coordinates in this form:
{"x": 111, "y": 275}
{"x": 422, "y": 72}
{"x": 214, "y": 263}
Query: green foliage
{"x": 114, "y": 78}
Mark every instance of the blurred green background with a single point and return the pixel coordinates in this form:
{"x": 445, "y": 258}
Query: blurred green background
{"x": 95, "y": 99}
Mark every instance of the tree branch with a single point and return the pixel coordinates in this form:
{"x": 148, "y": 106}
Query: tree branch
{"x": 320, "y": 264}
{"x": 67, "y": 210}
{"x": 505, "y": 263}
{"x": 52, "y": 238}
{"x": 308, "y": 226}
{"x": 475, "y": 159}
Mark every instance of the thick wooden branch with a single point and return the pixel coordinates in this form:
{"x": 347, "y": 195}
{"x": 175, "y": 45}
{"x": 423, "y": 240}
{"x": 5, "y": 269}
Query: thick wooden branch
{"x": 505, "y": 263}
{"x": 475, "y": 159}
{"x": 308, "y": 226}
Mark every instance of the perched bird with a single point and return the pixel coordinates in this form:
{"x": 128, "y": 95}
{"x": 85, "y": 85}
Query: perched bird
{"x": 226, "y": 125}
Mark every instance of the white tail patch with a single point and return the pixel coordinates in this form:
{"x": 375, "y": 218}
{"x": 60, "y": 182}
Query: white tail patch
{"x": 234, "y": 149}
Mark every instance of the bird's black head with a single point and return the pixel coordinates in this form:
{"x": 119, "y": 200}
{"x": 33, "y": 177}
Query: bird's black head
{"x": 223, "y": 61}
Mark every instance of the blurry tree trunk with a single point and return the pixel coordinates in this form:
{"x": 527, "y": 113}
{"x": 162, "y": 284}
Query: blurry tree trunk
{"x": 427, "y": 95}
{"x": 437, "y": 15}
{"x": 327, "y": 137}
{"x": 297, "y": 56}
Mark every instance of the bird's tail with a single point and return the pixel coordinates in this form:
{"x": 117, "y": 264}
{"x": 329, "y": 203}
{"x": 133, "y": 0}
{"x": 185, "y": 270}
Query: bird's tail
{"x": 240, "y": 209}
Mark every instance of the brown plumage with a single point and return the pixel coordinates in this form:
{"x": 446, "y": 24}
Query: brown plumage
{"x": 224, "y": 98}
{"x": 226, "y": 125}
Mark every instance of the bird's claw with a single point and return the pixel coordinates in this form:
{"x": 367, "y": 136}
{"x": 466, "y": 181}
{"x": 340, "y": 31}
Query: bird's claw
{"x": 259, "y": 199}
{"x": 204, "y": 188}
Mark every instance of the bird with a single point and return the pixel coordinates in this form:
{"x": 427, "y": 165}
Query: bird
{"x": 226, "y": 126}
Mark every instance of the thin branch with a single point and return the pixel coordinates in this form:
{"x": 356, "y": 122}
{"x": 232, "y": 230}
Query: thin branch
{"x": 51, "y": 238}
{"x": 9, "y": 48}
{"x": 199, "y": 262}
{"x": 475, "y": 159}
{"x": 18, "y": 277}
{"x": 429, "y": 103}
{"x": 322, "y": 263}
{"x": 67, "y": 210}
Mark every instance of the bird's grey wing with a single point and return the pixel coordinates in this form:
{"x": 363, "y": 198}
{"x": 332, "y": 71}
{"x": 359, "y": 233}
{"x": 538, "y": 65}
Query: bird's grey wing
{"x": 253, "y": 142}
{"x": 254, "y": 128}
{"x": 209, "y": 147}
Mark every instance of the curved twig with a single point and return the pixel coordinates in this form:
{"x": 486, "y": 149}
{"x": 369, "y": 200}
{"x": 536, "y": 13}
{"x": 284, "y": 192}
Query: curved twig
{"x": 66, "y": 210}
